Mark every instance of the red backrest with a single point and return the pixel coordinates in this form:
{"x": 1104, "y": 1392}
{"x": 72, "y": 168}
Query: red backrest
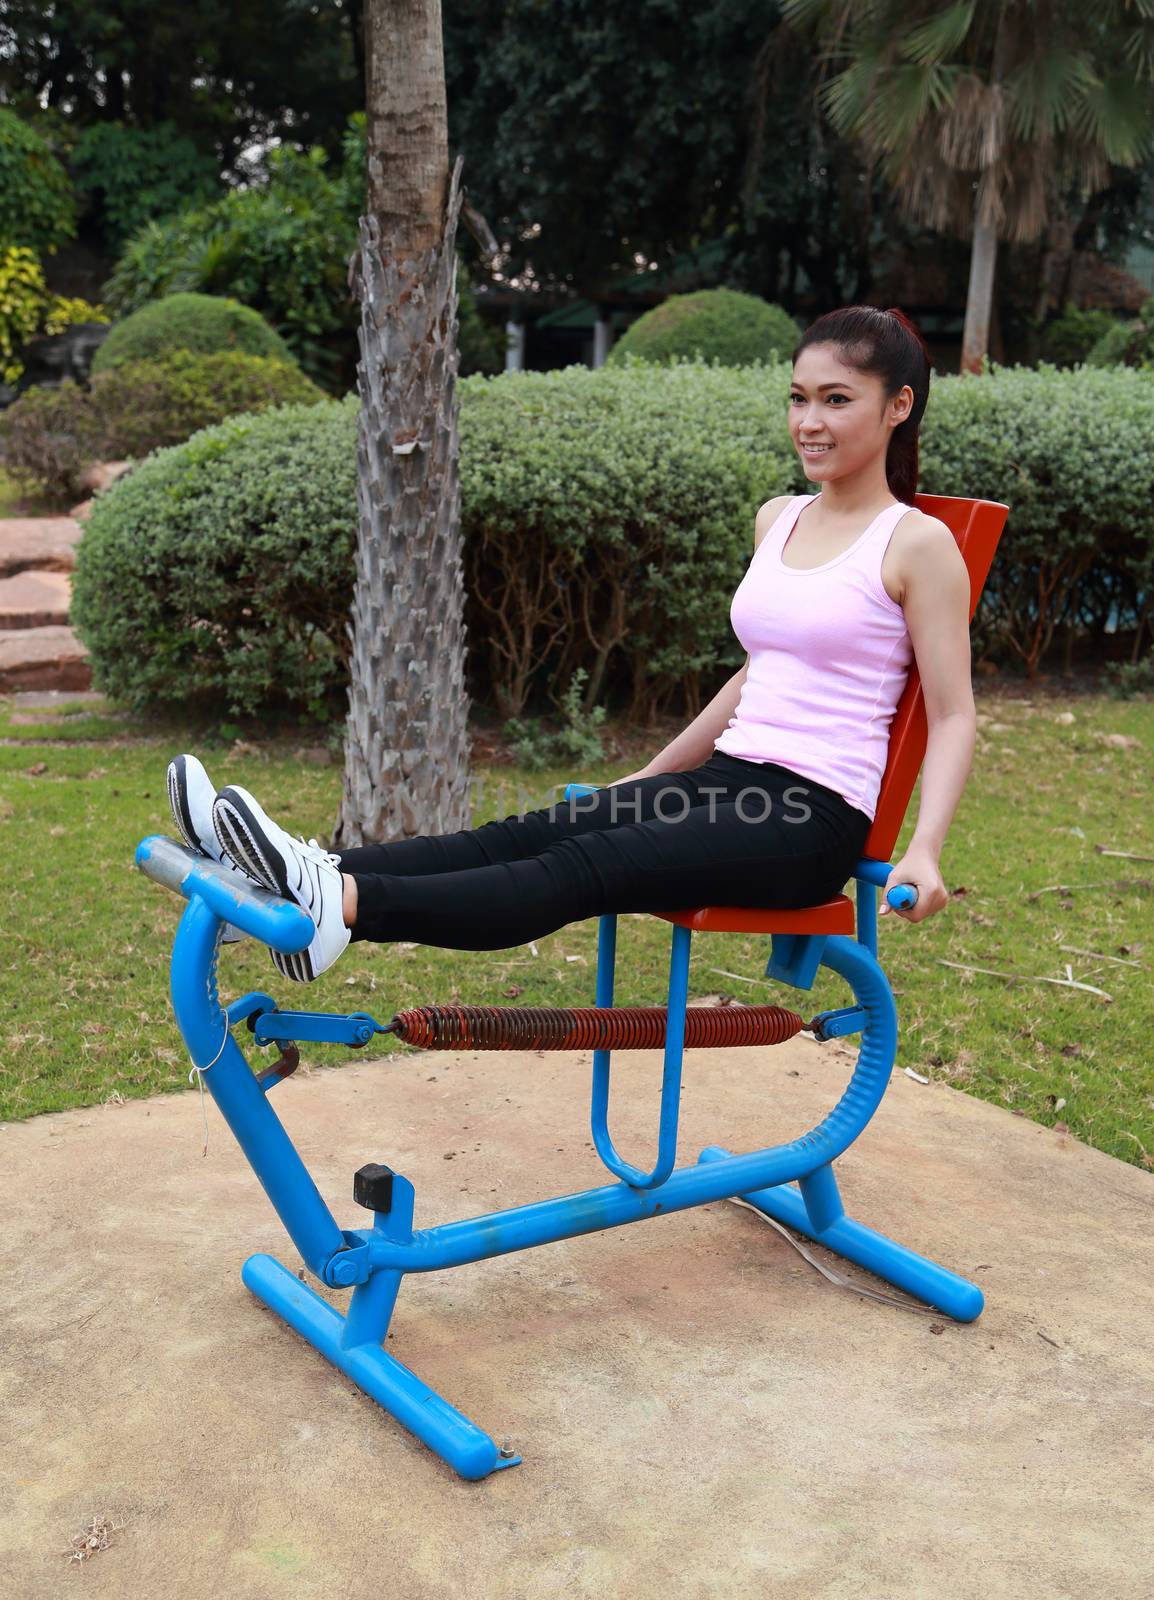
{"x": 977, "y": 526}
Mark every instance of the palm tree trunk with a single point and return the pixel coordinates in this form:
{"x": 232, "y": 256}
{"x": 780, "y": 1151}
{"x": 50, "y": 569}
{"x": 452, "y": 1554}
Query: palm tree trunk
{"x": 406, "y": 768}
{"x": 979, "y": 296}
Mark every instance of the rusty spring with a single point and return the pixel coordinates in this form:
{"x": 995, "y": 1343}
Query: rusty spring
{"x": 585, "y": 1027}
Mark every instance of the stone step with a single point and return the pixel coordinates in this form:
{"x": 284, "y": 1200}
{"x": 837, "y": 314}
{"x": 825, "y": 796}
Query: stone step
{"x": 34, "y": 599}
{"x": 47, "y": 543}
{"x": 42, "y": 658}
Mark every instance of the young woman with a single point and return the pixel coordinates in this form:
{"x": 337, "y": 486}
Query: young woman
{"x": 767, "y": 797}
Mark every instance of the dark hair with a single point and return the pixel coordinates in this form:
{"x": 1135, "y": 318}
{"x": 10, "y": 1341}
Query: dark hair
{"x": 887, "y": 344}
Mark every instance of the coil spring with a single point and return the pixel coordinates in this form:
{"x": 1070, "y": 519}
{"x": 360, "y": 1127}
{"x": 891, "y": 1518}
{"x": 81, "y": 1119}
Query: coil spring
{"x": 585, "y": 1027}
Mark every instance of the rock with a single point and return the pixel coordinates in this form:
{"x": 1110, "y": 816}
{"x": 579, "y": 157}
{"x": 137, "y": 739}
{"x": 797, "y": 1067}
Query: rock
{"x": 48, "y": 543}
{"x": 83, "y": 511}
{"x": 34, "y": 599}
{"x": 102, "y": 475}
{"x": 51, "y": 358}
{"x": 42, "y": 658}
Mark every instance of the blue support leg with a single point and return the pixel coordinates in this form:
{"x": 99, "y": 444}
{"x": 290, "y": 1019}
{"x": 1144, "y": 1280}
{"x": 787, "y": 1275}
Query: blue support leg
{"x": 446, "y": 1431}
{"x": 925, "y": 1279}
{"x": 354, "y": 1344}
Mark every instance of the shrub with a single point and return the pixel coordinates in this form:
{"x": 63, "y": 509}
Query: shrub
{"x": 718, "y": 324}
{"x": 607, "y": 519}
{"x": 28, "y": 309}
{"x": 481, "y": 344}
{"x": 1130, "y": 680}
{"x": 281, "y": 246}
{"x": 23, "y": 302}
{"x": 1068, "y": 339}
{"x": 605, "y": 514}
{"x": 1069, "y": 453}
{"x": 37, "y": 206}
{"x": 49, "y": 436}
{"x": 1127, "y": 344}
{"x": 576, "y": 741}
{"x": 203, "y": 323}
{"x": 218, "y": 573}
{"x": 137, "y": 175}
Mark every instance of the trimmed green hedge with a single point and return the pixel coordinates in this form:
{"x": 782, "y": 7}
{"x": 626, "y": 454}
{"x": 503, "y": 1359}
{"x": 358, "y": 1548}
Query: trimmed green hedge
{"x": 220, "y": 571}
{"x": 203, "y": 323}
{"x": 607, "y": 520}
{"x": 721, "y": 325}
{"x": 49, "y": 436}
{"x": 1069, "y": 453}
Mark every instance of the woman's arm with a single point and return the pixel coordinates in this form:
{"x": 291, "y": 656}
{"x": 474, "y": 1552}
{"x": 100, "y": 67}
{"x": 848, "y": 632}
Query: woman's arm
{"x": 936, "y": 602}
{"x": 695, "y": 744}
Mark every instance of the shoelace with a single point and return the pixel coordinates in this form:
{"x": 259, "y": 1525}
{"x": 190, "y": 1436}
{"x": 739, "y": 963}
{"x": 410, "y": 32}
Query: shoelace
{"x": 314, "y": 850}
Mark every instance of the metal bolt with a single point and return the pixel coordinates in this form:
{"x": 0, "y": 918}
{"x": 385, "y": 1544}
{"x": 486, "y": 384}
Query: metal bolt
{"x": 344, "y": 1272}
{"x": 506, "y": 1449}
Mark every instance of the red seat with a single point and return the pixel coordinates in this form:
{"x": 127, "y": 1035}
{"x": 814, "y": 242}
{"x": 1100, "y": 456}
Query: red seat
{"x": 977, "y": 526}
{"x": 832, "y": 916}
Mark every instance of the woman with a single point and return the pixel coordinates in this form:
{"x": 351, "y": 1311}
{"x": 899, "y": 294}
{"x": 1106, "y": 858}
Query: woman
{"x": 767, "y": 797}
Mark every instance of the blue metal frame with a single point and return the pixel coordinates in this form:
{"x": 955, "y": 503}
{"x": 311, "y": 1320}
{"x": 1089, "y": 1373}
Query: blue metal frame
{"x": 794, "y": 1182}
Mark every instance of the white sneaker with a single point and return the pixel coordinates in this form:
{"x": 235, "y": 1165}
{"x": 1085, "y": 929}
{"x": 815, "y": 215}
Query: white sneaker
{"x": 190, "y": 794}
{"x": 290, "y": 867}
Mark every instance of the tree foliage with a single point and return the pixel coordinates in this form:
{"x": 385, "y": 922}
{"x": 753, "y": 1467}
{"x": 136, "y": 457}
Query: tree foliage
{"x": 1014, "y": 99}
{"x": 131, "y": 176}
{"x": 224, "y": 74}
{"x": 37, "y": 205}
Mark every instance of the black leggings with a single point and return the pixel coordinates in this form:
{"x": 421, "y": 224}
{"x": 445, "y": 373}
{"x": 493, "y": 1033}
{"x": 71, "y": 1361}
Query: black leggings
{"x": 729, "y": 832}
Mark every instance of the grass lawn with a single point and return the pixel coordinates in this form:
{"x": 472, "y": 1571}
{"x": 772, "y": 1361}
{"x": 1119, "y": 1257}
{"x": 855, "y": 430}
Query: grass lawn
{"x": 84, "y": 1009}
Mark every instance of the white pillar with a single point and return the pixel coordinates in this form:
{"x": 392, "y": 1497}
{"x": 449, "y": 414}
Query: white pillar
{"x": 515, "y": 347}
{"x": 602, "y": 338}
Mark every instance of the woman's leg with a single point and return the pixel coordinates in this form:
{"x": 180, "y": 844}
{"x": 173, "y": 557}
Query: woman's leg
{"x": 727, "y": 833}
{"x": 511, "y": 838}
{"x": 514, "y": 837}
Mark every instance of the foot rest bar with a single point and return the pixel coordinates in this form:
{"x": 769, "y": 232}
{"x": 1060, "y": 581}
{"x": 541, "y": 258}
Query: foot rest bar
{"x": 227, "y": 894}
{"x": 467, "y": 1449}
{"x": 936, "y": 1285}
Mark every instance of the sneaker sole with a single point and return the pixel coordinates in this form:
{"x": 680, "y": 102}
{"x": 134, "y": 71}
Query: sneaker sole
{"x": 182, "y": 816}
{"x": 242, "y": 836}
{"x": 178, "y": 800}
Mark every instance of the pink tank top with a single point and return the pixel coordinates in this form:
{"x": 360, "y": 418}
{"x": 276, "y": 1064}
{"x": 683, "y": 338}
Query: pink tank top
{"x": 829, "y": 653}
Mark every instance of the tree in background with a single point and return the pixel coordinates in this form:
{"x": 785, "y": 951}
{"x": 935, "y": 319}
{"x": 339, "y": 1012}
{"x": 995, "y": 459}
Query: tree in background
{"x": 224, "y": 74}
{"x": 638, "y": 131}
{"x": 658, "y": 129}
{"x": 406, "y": 761}
{"x": 978, "y": 111}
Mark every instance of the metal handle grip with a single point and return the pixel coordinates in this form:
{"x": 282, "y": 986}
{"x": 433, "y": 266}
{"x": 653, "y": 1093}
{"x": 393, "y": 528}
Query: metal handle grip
{"x": 276, "y": 922}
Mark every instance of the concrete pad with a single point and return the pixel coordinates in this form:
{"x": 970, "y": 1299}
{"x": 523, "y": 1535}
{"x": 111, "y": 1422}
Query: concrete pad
{"x": 35, "y": 599}
{"x": 42, "y": 658}
{"x": 700, "y": 1413}
{"x": 46, "y": 542}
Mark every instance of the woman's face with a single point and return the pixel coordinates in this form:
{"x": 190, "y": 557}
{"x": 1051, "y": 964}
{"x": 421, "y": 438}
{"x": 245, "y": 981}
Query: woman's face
{"x": 840, "y": 419}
